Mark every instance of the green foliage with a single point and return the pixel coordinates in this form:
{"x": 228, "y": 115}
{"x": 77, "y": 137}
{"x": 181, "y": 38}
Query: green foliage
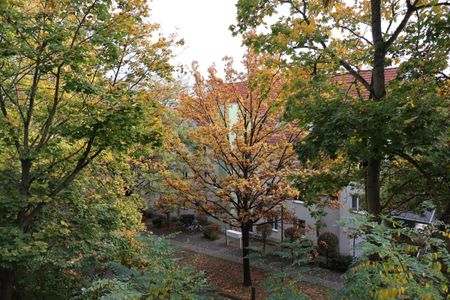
{"x": 76, "y": 97}
{"x": 325, "y": 45}
{"x": 328, "y": 244}
{"x": 285, "y": 284}
{"x": 340, "y": 263}
{"x": 74, "y": 238}
{"x": 154, "y": 275}
{"x": 398, "y": 262}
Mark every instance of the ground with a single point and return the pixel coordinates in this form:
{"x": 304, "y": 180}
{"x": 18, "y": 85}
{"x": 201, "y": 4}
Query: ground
{"x": 223, "y": 266}
{"x": 226, "y": 277}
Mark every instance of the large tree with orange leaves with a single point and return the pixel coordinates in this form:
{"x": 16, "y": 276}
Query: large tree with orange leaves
{"x": 242, "y": 157}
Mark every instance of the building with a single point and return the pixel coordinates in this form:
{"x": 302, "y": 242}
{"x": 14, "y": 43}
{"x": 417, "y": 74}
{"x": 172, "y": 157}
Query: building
{"x": 348, "y": 197}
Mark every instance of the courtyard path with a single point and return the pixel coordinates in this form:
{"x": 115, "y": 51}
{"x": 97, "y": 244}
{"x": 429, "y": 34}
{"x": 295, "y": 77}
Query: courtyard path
{"x": 219, "y": 249}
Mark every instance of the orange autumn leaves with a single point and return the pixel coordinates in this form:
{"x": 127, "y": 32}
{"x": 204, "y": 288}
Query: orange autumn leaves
{"x": 239, "y": 154}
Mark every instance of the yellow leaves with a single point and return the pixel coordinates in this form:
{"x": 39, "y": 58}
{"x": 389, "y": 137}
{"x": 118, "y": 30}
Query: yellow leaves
{"x": 437, "y": 266}
{"x": 129, "y": 233}
{"x": 325, "y": 95}
{"x": 301, "y": 28}
{"x": 445, "y": 234}
{"x": 241, "y": 145}
{"x": 391, "y": 293}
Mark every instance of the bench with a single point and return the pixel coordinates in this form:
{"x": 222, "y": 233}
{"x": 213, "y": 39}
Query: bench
{"x": 234, "y": 234}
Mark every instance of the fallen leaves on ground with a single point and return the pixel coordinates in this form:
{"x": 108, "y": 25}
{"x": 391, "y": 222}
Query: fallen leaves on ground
{"x": 226, "y": 277}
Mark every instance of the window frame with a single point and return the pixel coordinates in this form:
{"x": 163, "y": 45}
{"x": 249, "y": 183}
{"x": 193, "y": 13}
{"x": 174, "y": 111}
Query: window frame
{"x": 274, "y": 223}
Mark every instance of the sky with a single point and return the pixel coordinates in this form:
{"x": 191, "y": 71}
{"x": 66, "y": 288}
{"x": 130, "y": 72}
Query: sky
{"x": 203, "y": 24}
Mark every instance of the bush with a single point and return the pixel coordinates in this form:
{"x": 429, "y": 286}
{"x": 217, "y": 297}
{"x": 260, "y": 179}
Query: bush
{"x": 293, "y": 234}
{"x": 340, "y": 263}
{"x": 202, "y": 220}
{"x": 148, "y": 213}
{"x": 391, "y": 269}
{"x": 211, "y": 232}
{"x": 174, "y": 220}
{"x": 158, "y": 221}
{"x": 187, "y": 219}
{"x": 328, "y": 244}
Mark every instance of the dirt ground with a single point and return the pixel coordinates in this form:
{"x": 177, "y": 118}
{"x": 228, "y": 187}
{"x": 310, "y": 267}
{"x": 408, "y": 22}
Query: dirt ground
{"x": 226, "y": 277}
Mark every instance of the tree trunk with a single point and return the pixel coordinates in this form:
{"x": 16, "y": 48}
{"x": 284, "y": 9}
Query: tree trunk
{"x": 264, "y": 244}
{"x": 446, "y": 216}
{"x": 245, "y": 228}
{"x": 6, "y": 285}
{"x": 378, "y": 93}
{"x": 373, "y": 187}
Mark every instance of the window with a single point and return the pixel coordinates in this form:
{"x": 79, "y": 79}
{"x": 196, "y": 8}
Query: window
{"x": 355, "y": 202}
{"x": 301, "y": 225}
{"x": 274, "y": 222}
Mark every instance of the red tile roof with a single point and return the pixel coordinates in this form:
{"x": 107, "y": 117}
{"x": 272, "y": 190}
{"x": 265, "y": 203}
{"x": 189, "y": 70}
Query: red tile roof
{"x": 355, "y": 88}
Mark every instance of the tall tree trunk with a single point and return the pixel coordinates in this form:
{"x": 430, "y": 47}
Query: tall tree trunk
{"x": 6, "y": 284}
{"x": 373, "y": 187}
{"x": 378, "y": 92}
{"x": 245, "y": 228}
{"x": 446, "y": 216}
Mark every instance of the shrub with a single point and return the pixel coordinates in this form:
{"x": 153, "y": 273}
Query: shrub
{"x": 340, "y": 263}
{"x": 158, "y": 221}
{"x": 293, "y": 234}
{"x": 211, "y": 232}
{"x": 148, "y": 213}
{"x": 174, "y": 220}
{"x": 389, "y": 268}
{"x": 187, "y": 219}
{"x": 328, "y": 244}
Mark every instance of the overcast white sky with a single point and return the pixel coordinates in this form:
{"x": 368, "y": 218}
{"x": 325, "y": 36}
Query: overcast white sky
{"x": 203, "y": 24}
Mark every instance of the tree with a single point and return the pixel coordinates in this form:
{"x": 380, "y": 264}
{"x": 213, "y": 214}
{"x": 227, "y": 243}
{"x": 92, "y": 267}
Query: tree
{"x": 242, "y": 158}
{"x": 286, "y": 283}
{"x": 158, "y": 276}
{"x": 368, "y": 121}
{"x": 398, "y": 262}
{"x": 264, "y": 230}
{"x": 75, "y": 80}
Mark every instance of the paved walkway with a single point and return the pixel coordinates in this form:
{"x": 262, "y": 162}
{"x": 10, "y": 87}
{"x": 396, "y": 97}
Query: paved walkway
{"x": 196, "y": 243}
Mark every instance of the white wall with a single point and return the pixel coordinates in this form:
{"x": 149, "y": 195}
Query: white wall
{"x": 346, "y": 243}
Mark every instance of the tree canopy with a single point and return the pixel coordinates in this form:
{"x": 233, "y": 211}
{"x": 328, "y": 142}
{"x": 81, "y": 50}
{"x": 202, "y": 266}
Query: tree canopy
{"x": 366, "y": 127}
{"x": 241, "y": 162}
{"x": 76, "y": 80}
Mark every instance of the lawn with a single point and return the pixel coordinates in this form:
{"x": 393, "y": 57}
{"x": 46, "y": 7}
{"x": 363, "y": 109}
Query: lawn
{"x": 226, "y": 277}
